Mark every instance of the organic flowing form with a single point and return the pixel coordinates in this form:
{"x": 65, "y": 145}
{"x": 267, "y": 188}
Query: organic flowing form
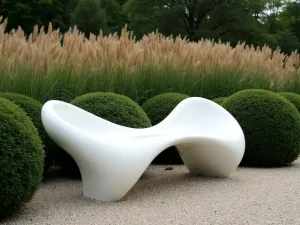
{"x": 112, "y": 158}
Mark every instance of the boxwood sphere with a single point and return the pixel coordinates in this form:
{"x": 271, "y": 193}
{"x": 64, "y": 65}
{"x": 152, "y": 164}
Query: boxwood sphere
{"x": 33, "y": 109}
{"x": 113, "y": 107}
{"x": 158, "y": 108}
{"x": 292, "y": 97}
{"x": 271, "y": 125}
{"x": 21, "y": 158}
{"x": 219, "y": 100}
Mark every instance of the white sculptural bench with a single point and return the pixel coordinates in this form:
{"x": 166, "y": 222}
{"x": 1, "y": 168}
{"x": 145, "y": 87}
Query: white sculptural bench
{"x": 111, "y": 158}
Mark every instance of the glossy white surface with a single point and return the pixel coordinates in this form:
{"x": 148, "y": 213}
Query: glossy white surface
{"x": 112, "y": 158}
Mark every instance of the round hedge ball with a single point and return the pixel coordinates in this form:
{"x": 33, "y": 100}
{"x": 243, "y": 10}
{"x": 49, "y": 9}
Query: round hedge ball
{"x": 292, "y": 97}
{"x": 21, "y": 158}
{"x": 33, "y": 109}
{"x": 113, "y": 107}
{"x": 158, "y": 108}
{"x": 219, "y": 100}
{"x": 271, "y": 125}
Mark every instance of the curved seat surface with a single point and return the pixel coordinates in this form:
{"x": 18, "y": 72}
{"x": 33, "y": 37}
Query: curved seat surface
{"x": 111, "y": 158}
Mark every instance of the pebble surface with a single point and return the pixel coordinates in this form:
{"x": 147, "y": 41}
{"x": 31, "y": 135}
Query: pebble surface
{"x": 249, "y": 196}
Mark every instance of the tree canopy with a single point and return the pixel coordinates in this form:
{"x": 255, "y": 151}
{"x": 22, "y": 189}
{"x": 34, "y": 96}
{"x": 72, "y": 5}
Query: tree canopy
{"x": 272, "y": 22}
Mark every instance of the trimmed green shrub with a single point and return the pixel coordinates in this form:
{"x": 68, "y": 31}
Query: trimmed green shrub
{"x": 292, "y": 97}
{"x": 158, "y": 108}
{"x": 115, "y": 108}
{"x": 33, "y": 109}
{"x": 21, "y": 158}
{"x": 219, "y": 100}
{"x": 271, "y": 125}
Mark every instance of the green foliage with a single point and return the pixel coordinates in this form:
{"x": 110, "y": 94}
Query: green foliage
{"x": 33, "y": 109}
{"x": 21, "y": 158}
{"x": 279, "y": 25}
{"x": 112, "y": 107}
{"x": 292, "y": 97}
{"x": 89, "y": 17}
{"x": 157, "y": 109}
{"x": 295, "y": 27}
{"x": 147, "y": 16}
{"x": 160, "y": 106}
{"x": 212, "y": 19}
{"x": 60, "y": 14}
{"x": 144, "y": 82}
{"x": 115, "y": 108}
{"x": 29, "y": 13}
{"x": 290, "y": 16}
{"x": 115, "y": 16}
{"x": 256, "y": 7}
{"x": 287, "y": 41}
{"x": 219, "y": 100}
{"x": 272, "y": 22}
{"x": 271, "y": 125}
{"x": 195, "y": 19}
{"x": 24, "y": 14}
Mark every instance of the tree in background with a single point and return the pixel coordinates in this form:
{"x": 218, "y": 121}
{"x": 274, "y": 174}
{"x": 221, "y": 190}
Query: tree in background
{"x": 60, "y": 14}
{"x": 89, "y": 17}
{"x": 255, "y": 22}
{"x": 225, "y": 19}
{"x": 115, "y": 16}
{"x": 27, "y": 14}
{"x": 280, "y": 25}
{"x": 290, "y": 15}
{"x": 272, "y": 22}
{"x": 289, "y": 38}
{"x": 287, "y": 41}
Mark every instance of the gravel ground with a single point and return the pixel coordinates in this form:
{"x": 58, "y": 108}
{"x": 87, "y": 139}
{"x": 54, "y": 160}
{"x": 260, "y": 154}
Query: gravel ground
{"x": 249, "y": 196}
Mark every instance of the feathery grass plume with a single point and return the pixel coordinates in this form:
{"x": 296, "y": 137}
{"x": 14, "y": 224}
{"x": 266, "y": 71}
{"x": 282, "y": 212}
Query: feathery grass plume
{"x": 107, "y": 63}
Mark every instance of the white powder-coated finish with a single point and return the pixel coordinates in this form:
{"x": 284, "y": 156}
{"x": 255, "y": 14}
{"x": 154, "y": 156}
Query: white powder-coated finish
{"x": 112, "y": 158}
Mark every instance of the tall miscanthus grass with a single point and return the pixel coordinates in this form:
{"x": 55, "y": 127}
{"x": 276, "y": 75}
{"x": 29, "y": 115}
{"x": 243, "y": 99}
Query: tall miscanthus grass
{"x": 52, "y": 65}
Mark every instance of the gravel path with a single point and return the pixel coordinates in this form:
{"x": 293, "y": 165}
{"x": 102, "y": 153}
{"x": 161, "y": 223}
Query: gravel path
{"x": 249, "y": 196}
